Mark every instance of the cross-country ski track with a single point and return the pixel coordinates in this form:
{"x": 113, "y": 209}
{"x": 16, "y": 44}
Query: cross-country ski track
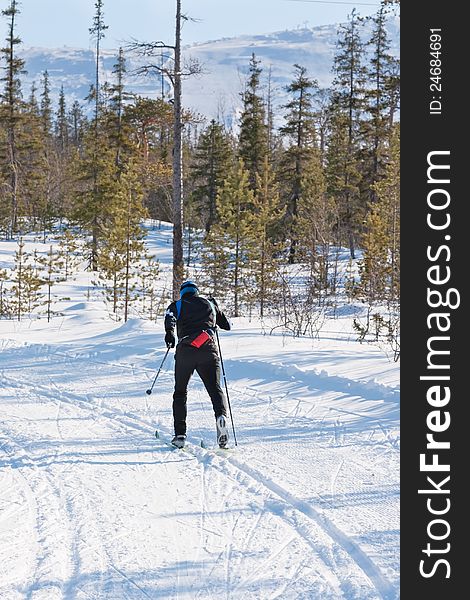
{"x": 93, "y": 506}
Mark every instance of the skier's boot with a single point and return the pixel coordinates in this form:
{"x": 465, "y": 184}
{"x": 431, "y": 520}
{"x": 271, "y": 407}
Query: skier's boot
{"x": 178, "y": 441}
{"x": 222, "y": 433}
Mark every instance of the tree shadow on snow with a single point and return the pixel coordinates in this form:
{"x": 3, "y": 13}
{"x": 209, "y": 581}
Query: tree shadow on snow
{"x": 174, "y": 579}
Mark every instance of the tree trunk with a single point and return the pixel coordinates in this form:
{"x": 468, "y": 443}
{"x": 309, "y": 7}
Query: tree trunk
{"x": 178, "y": 262}
{"x": 128, "y": 259}
{"x": 11, "y": 125}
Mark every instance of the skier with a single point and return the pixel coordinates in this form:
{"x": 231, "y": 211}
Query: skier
{"x": 195, "y": 318}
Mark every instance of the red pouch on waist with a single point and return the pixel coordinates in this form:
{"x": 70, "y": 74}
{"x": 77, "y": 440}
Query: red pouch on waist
{"x": 200, "y": 340}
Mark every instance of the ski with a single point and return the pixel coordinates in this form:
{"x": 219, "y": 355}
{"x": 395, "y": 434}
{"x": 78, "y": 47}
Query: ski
{"x": 216, "y": 449}
{"x": 167, "y": 442}
{"x": 202, "y": 444}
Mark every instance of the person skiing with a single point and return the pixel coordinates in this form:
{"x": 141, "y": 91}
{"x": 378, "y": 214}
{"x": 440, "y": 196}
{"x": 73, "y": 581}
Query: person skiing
{"x": 196, "y": 318}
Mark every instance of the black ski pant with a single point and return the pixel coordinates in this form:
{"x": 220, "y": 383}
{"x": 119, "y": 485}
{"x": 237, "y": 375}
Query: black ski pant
{"x": 205, "y": 361}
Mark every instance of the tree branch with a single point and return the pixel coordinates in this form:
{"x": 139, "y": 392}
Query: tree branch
{"x": 146, "y": 48}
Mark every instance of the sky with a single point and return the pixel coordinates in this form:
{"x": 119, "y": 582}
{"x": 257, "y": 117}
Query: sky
{"x": 56, "y": 23}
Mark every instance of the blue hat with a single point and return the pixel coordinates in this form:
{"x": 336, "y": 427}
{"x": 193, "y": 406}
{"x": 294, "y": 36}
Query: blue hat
{"x": 188, "y": 287}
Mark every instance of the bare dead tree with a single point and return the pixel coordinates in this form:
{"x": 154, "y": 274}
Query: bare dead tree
{"x": 97, "y": 31}
{"x": 175, "y": 71}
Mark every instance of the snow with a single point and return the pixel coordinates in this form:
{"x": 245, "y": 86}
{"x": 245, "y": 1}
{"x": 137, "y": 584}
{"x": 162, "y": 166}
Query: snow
{"x": 93, "y": 506}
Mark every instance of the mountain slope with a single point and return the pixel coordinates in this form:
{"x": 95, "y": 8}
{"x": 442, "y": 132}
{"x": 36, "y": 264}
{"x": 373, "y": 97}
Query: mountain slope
{"x": 224, "y": 63}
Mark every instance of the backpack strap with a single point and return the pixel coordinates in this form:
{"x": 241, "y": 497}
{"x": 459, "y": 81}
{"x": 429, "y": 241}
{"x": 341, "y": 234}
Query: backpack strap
{"x": 178, "y": 308}
{"x": 214, "y": 312}
{"x": 213, "y": 308}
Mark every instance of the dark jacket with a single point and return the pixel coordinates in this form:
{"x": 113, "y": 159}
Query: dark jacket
{"x": 197, "y": 314}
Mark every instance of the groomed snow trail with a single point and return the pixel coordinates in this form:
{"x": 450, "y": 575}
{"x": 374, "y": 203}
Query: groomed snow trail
{"x": 93, "y": 506}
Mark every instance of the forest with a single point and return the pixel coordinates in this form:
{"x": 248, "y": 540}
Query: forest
{"x": 266, "y": 213}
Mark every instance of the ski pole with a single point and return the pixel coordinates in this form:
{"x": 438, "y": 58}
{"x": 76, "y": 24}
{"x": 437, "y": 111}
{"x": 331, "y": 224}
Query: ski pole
{"x": 226, "y": 387}
{"x": 149, "y": 391}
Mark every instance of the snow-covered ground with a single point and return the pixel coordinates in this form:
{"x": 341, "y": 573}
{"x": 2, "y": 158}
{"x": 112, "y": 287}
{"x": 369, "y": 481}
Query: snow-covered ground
{"x": 92, "y": 506}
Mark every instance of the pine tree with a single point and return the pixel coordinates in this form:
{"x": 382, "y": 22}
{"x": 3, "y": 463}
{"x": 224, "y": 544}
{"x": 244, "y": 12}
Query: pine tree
{"x": 148, "y": 278}
{"x": 211, "y": 162}
{"x": 253, "y": 139}
{"x": 122, "y": 242}
{"x": 316, "y": 221}
{"x": 151, "y": 123}
{"x": 96, "y": 186}
{"x": 25, "y": 284}
{"x": 52, "y": 264}
{"x": 299, "y": 130}
{"x": 229, "y": 240}
{"x": 151, "y": 134}
{"x": 265, "y": 218}
{"x": 69, "y": 247}
{"x": 4, "y": 302}
{"x": 216, "y": 263}
{"x": 380, "y": 265}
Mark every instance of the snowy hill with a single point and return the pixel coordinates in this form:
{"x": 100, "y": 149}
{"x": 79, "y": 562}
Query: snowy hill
{"x": 93, "y": 506}
{"x": 224, "y": 62}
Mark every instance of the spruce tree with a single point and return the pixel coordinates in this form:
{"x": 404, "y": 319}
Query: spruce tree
{"x": 299, "y": 130}
{"x": 380, "y": 265}
{"x": 33, "y": 105}
{"x": 117, "y": 126}
{"x": 77, "y": 122}
{"x": 342, "y": 176}
{"x": 253, "y": 138}
{"x": 10, "y": 117}
{"x": 348, "y": 106}
{"x": 211, "y": 162}
{"x": 322, "y": 103}
{"x": 46, "y": 104}
{"x": 382, "y": 98}
{"x": 65, "y": 154}
{"x": 61, "y": 124}
{"x": 39, "y": 172}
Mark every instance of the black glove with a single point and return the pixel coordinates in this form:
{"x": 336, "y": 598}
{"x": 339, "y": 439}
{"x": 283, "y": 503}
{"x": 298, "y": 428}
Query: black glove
{"x": 170, "y": 339}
